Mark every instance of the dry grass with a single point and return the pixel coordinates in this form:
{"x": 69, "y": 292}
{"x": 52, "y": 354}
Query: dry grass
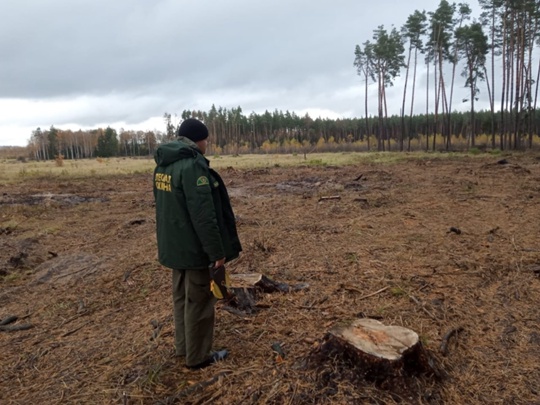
{"x": 15, "y": 171}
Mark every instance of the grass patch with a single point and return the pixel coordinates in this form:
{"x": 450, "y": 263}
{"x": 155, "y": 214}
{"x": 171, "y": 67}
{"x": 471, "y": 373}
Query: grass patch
{"x": 352, "y": 258}
{"x": 12, "y": 277}
{"x": 316, "y": 162}
{"x": 52, "y": 230}
{"x": 14, "y": 170}
{"x": 397, "y": 291}
{"x": 8, "y": 227}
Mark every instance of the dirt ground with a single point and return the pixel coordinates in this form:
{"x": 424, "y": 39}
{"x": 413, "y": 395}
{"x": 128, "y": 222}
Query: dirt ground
{"x": 78, "y": 264}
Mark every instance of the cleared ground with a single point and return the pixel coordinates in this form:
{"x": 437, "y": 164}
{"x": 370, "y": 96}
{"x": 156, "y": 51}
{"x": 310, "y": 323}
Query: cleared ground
{"x": 78, "y": 263}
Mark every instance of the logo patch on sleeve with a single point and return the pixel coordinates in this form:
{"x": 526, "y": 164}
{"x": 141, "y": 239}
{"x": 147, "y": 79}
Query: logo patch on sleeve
{"x": 203, "y": 181}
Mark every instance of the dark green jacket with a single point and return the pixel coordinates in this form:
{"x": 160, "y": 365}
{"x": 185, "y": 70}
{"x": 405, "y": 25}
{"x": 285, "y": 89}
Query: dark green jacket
{"x": 194, "y": 219}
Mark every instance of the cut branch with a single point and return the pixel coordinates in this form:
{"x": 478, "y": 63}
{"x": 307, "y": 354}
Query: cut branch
{"x": 9, "y": 319}
{"x": 446, "y": 339}
{"x": 13, "y": 328}
{"x": 332, "y": 197}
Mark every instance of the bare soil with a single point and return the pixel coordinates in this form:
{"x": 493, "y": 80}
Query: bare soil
{"x": 445, "y": 247}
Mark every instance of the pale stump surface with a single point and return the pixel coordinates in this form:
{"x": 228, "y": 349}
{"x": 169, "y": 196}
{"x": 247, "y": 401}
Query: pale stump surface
{"x": 376, "y": 351}
{"x": 376, "y": 339}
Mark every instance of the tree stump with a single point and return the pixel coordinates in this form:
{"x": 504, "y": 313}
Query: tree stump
{"x": 378, "y": 352}
{"x": 246, "y": 289}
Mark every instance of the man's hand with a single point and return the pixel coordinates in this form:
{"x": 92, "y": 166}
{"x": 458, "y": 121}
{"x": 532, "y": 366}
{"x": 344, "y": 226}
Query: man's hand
{"x": 219, "y": 263}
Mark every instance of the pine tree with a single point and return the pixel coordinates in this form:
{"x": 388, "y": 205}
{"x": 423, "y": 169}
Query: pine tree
{"x": 472, "y": 44}
{"x": 107, "y": 143}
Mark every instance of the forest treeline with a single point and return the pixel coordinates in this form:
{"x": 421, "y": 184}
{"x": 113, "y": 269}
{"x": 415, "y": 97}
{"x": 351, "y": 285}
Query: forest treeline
{"x": 502, "y": 43}
{"x": 495, "y": 56}
{"x": 232, "y": 132}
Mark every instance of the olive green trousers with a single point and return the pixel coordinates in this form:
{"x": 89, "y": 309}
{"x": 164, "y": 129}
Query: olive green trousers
{"x": 193, "y": 315}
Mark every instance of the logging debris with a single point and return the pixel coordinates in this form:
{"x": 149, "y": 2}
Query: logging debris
{"x": 446, "y": 339}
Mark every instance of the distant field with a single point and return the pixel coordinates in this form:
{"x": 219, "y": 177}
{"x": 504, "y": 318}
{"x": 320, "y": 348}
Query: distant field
{"x": 13, "y": 170}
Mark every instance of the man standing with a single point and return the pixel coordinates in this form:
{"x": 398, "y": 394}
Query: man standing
{"x": 195, "y": 228}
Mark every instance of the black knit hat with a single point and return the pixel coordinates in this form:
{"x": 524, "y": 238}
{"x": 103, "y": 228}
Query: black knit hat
{"x": 192, "y": 129}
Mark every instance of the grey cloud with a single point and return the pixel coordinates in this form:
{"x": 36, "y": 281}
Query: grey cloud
{"x": 179, "y": 54}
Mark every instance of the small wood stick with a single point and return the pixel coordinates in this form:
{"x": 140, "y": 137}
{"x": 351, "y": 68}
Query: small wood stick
{"x": 446, "y": 338}
{"x": 412, "y": 297}
{"x": 374, "y": 293}
{"x": 13, "y": 328}
{"x": 9, "y": 319}
{"x": 332, "y": 197}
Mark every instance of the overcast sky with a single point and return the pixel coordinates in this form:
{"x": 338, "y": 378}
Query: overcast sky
{"x": 123, "y": 63}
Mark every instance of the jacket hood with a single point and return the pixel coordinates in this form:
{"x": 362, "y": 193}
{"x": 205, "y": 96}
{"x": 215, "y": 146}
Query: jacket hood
{"x": 181, "y": 148}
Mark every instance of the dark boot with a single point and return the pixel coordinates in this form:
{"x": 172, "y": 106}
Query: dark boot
{"x": 214, "y": 358}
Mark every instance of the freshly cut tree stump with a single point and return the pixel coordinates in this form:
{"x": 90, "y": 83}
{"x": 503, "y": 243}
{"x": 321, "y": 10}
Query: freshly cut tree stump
{"x": 377, "y": 351}
{"x": 246, "y": 288}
